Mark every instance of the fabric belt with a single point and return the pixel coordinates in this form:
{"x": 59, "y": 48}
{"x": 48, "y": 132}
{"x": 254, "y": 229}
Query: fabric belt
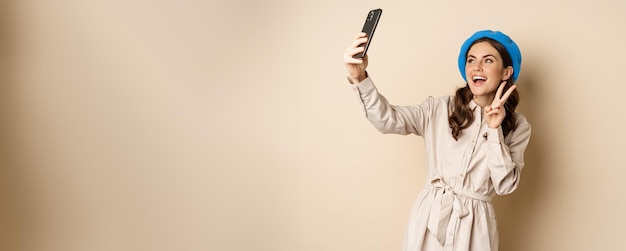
{"x": 447, "y": 201}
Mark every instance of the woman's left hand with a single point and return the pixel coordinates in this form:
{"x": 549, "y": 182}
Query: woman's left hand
{"x": 495, "y": 113}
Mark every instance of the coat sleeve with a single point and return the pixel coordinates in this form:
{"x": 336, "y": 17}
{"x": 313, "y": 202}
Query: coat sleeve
{"x": 389, "y": 118}
{"x": 506, "y": 156}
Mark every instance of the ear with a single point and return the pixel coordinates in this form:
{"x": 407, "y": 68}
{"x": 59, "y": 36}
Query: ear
{"x": 507, "y": 73}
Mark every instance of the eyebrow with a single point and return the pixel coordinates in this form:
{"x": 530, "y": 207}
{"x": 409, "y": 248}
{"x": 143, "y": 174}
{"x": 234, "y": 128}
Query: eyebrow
{"x": 483, "y": 56}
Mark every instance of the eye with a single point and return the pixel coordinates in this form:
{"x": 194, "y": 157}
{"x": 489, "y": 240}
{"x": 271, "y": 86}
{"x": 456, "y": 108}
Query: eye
{"x": 489, "y": 60}
{"x": 470, "y": 60}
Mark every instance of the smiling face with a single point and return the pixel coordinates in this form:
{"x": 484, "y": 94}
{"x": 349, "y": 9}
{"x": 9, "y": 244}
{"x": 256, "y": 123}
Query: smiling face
{"x": 485, "y": 71}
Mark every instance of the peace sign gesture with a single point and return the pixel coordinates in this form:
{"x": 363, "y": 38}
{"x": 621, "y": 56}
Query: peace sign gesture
{"x": 495, "y": 113}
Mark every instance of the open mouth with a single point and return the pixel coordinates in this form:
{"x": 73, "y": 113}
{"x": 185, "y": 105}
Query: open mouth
{"x": 479, "y": 79}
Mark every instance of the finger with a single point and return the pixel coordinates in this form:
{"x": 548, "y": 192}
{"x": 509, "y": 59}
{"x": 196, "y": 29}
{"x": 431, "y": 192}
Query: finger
{"x": 348, "y": 59}
{"x": 358, "y": 42}
{"x": 356, "y": 50}
{"x": 500, "y": 89}
{"x": 508, "y": 93}
{"x": 351, "y": 60}
{"x": 360, "y": 35}
{"x": 350, "y": 52}
{"x": 491, "y": 114}
{"x": 493, "y": 111}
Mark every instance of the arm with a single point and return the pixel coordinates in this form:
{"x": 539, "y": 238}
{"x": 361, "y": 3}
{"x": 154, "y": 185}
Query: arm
{"x": 385, "y": 117}
{"x": 389, "y": 118}
{"x": 505, "y": 158}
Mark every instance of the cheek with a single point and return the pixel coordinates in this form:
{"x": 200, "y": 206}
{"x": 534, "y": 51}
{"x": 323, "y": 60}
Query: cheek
{"x": 496, "y": 72}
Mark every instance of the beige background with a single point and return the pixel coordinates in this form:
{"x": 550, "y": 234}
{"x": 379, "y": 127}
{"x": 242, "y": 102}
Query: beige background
{"x": 228, "y": 125}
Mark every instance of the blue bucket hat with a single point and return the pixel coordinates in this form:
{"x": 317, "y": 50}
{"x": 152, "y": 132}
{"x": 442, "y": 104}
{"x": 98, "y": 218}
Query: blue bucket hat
{"x": 506, "y": 41}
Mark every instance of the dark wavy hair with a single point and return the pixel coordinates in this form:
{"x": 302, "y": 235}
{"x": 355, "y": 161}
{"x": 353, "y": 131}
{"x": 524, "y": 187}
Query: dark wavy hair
{"x": 461, "y": 116}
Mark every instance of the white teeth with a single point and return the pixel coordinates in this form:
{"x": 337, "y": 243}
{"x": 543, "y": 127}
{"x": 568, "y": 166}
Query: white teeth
{"x": 479, "y": 78}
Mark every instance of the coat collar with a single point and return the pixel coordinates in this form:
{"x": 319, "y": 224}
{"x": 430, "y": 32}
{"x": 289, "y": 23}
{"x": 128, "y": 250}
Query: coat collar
{"x": 472, "y": 105}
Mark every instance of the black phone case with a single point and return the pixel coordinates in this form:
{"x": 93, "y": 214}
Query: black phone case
{"x": 369, "y": 27}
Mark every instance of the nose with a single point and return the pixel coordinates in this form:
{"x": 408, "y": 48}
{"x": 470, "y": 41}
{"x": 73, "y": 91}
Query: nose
{"x": 478, "y": 66}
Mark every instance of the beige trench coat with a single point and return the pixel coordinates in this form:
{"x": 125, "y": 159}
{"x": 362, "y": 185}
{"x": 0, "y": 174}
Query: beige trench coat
{"x": 454, "y": 210}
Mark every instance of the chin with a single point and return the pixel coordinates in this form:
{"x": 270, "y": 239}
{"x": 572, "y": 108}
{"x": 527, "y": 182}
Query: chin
{"x": 478, "y": 93}
{"x": 483, "y": 89}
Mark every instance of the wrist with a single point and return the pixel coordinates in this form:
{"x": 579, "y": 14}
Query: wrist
{"x": 358, "y": 78}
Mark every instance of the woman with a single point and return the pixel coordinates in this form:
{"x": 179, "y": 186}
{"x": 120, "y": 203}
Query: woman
{"x": 475, "y": 143}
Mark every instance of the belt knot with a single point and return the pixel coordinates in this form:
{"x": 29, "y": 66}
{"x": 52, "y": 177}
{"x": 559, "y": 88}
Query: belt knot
{"x": 447, "y": 201}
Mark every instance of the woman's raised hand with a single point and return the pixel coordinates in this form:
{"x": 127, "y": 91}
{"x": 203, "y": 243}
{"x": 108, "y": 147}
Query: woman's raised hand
{"x": 495, "y": 113}
{"x": 356, "y": 66}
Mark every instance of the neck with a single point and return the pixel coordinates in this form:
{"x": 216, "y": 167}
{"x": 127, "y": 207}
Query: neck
{"x": 483, "y": 101}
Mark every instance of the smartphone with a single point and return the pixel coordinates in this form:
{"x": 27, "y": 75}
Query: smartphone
{"x": 369, "y": 27}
